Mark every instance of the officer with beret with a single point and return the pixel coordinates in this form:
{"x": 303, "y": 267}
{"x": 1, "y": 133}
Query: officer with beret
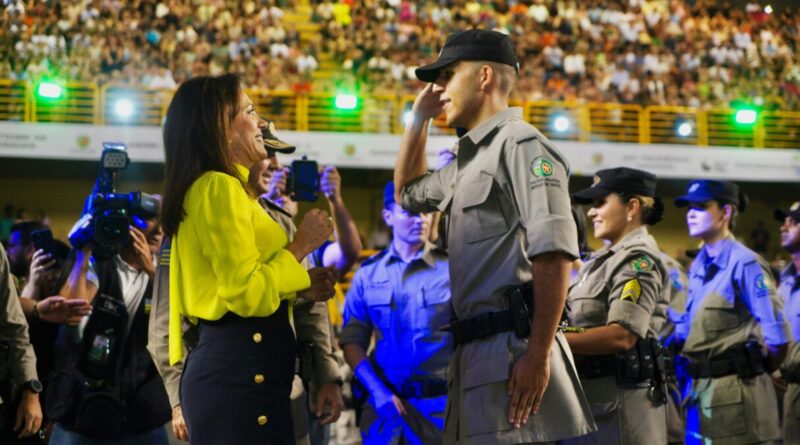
{"x": 733, "y": 314}
{"x": 789, "y": 291}
{"x": 402, "y": 296}
{"x": 611, "y": 311}
{"x": 511, "y": 239}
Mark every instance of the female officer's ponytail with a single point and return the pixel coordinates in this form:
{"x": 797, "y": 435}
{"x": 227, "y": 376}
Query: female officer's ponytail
{"x": 651, "y": 209}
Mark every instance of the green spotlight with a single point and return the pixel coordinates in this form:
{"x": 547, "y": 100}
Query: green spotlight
{"x": 49, "y": 90}
{"x": 746, "y": 117}
{"x": 346, "y": 102}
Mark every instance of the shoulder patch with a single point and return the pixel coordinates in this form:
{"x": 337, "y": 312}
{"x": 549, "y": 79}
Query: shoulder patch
{"x": 542, "y": 168}
{"x": 631, "y": 291}
{"x": 762, "y": 285}
{"x": 642, "y": 263}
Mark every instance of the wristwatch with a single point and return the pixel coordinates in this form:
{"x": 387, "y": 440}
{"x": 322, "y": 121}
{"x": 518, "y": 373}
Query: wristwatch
{"x": 34, "y": 386}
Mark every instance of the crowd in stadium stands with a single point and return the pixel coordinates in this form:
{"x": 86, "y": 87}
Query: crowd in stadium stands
{"x": 658, "y": 52}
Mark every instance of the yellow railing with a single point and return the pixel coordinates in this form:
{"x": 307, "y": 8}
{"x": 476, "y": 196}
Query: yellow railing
{"x": 79, "y": 103}
{"x": 134, "y": 106}
{"x": 123, "y": 105}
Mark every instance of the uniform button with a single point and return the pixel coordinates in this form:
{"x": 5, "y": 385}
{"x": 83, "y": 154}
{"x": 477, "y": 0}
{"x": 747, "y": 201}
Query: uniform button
{"x": 262, "y": 420}
{"x": 257, "y": 337}
{"x": 259, "y": 378}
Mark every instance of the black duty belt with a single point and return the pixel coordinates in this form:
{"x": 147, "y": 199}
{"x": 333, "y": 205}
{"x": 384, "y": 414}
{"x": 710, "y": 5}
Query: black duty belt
{"x": 791, "y": 375}
{"x": 415, "y": 389}
{"x": 481, "y": 326}
{"x": 516, "y": 319}
{"x": 744, "y": 360}
{"x": 593, "y": 367}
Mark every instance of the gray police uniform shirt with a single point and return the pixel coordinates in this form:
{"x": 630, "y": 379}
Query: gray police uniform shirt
{"x": 507, "y": 199}
{"x": 626, "y": 284}
{"x": 731, "y": 300}
{"x": 407, "y": 307}
{"x": 789, "y": 291}
{"x": 14, "y": 330}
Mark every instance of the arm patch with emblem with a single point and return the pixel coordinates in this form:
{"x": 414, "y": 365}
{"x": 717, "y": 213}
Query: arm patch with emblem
{"x": 642, "y": 263}
{"x": 631, "y": 291}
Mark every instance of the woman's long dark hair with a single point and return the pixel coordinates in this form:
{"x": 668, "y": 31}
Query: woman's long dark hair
{"x": 197, "y": 135}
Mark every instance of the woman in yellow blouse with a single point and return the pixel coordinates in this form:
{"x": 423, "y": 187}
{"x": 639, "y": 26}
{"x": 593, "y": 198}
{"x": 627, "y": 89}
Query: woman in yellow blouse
{"x": 232, "y": 270}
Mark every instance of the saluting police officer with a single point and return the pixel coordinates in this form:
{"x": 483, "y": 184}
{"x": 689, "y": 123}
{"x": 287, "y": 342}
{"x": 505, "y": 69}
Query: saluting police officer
{"x": 789, "y": 291}
{"x": 509, "y": 223}
{"x": 17, "y": 365}
{"x": 732, "y": 314}
{"x": 402, "y": 296}
{"x": 611, "y": 311}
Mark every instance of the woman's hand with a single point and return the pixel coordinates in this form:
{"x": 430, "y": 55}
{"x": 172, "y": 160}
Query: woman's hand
{"x": 322, "y": 281}
{"x": 315, "y": 229}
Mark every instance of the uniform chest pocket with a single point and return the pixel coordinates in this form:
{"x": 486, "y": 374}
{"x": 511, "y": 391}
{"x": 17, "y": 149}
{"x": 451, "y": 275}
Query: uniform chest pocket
{"x": 438, "y": 311}
{"x": 591, "y": 313}
{"x": 483, "y": 218}
{"x": 379, "y": 303}
{"x": 720, "y": 314}
{"x": 587, "y": 301}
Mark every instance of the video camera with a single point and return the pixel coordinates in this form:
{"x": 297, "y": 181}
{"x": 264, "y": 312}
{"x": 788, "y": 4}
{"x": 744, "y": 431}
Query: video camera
{"x": 107, "y": 215}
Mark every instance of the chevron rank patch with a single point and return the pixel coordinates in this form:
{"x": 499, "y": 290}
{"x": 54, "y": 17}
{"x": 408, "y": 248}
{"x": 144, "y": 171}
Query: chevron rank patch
{"x": 642, "y": 264}
{"x": 631, "y": 291}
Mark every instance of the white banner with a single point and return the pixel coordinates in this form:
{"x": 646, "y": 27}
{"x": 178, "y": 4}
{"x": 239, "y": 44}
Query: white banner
{"x": 378, "y": 151}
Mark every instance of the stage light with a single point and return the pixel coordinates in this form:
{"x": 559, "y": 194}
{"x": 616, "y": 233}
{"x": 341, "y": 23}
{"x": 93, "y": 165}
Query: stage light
{"x": 684, "y": 129}
{"x": 346, "y": 102}
{"x": 746, "y": 117}
{"x": 561, "y": 124}
{"x": 768, "y": 9}
{"x": 49, "y": 90}
{"x": 124, "y": 108}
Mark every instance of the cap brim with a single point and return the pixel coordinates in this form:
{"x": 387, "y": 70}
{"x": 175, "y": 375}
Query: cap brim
{"x": 279, "y": 146}
{"x": 273, "y": 143}
{"x": 588, "y": 195}
{"x": 429, "y": 73}
{"x": 781, "y": 215}
{"x": 683, "y": 201}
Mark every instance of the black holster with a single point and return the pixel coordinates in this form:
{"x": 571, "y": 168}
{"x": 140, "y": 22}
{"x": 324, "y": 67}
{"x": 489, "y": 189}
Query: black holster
{"x": 517, "y": 318}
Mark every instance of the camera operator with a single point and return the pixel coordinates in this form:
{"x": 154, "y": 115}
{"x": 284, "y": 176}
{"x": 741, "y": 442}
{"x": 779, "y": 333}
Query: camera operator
{"x": 132, "y": 406}
{"x": 17, "y": 365}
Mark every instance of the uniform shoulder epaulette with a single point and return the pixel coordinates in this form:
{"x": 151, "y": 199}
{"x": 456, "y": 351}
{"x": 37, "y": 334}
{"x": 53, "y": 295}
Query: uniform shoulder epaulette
{"x": 527, "y": 132}
{"x": 374, "y": 258}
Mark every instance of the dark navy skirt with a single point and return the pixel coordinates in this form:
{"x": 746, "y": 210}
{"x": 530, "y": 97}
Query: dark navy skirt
{"x": 237, "y": 382}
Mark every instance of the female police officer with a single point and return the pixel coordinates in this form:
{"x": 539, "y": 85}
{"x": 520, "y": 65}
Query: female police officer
{"x": 732, "y": 311}
{"x": 612, "y": 304}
